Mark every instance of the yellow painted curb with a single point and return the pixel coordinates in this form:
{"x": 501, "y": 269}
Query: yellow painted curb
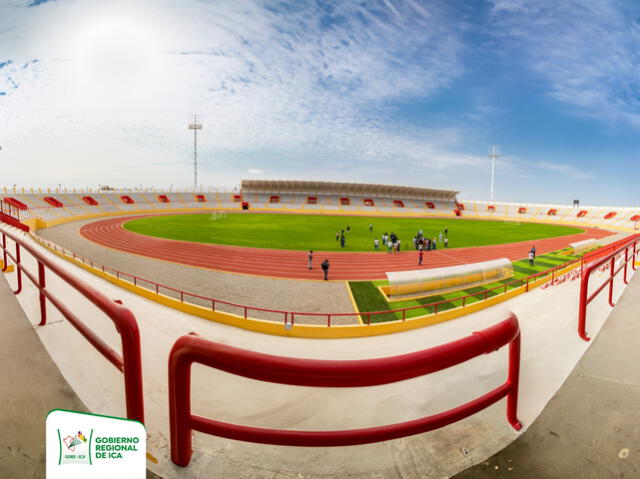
{"x": 353, "y": 302}
{"x": 9, "y": 267}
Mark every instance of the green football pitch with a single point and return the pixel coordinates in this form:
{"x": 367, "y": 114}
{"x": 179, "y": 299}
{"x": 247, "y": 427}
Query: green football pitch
{"x": 318, "y": 232}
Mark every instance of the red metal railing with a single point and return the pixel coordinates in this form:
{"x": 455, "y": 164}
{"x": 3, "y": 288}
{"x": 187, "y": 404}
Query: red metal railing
{"x": 630, "y": 251}
{"x": 130, "y": 362}
{"x": 289, "y": 317}
{"x": 328, "y": 373}
{"x": 12, "y": 221}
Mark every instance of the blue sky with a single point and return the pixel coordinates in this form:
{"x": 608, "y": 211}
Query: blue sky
{"x": 404, "y": 92}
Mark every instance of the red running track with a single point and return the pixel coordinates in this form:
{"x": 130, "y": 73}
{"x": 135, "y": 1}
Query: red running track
{"x": 293, "y": 264}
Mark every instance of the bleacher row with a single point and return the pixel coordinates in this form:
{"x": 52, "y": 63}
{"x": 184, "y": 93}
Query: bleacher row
{"x": 55, "y": 205}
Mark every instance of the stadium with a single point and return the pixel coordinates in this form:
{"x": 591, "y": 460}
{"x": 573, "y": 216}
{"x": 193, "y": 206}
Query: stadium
{"x": 154, "y": 253}
{"x": 319, "y": 239}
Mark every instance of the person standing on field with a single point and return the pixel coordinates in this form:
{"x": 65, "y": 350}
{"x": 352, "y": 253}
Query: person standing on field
{"x": 325, "y": 268}
{"x": 342, "y": 240}
{"x": 531, "y": 258}
{"x": 310, "y": 259}
{"x": 446, "y": 242}
{"x": 376, "y": 244}
{"x": 370, "y": 227}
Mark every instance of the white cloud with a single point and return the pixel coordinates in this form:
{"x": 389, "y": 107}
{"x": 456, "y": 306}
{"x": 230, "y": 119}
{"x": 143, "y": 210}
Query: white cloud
{"x": 255, "y": 172}
{"x": 294, "y": 79}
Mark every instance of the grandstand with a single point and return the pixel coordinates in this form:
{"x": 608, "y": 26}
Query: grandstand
{"x": 315, "y": 197}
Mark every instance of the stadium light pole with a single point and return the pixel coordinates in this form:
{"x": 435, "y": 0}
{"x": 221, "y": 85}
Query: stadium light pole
{"x": 195, "y": 126}
{"x": 494, "y": 152}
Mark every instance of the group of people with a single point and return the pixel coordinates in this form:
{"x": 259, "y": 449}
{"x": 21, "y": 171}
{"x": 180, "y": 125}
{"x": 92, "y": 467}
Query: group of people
{"x": 340, "y": 236}
{"x": 391, "y": 241}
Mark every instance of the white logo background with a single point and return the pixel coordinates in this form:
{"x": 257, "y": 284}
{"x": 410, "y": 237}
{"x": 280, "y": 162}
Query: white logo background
{"x": 132, "y": 465}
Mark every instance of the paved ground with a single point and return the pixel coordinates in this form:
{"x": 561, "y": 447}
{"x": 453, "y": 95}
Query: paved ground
{"x": 293, "y": 264}
{"x": 31, "y": 386}
{"x": 590, "y": 429}
{"x": 293, "y": 295}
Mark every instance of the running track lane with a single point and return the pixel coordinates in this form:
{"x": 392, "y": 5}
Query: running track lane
{"x": 293, "y": 264}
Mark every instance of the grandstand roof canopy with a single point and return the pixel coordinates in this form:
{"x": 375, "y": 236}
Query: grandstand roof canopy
{"x": 355, "y": 189}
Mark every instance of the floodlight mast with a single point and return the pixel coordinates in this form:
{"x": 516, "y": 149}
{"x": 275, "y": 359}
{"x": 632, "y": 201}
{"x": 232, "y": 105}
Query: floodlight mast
{"x": 494, "y": 152}
{"x": 195, "y": 126}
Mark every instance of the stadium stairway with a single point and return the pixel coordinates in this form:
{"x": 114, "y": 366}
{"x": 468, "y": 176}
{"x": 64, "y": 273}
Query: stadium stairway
{"x": 590, "y": 427}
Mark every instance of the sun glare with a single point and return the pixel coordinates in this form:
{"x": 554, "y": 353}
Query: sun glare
{"x": 116, "y": 59}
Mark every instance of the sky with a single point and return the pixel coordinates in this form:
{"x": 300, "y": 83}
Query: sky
{"x": 410, "y": 92}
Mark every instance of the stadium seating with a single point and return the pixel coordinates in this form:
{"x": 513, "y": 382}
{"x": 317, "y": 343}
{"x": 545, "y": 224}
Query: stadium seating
{"x": 52, "y": 207}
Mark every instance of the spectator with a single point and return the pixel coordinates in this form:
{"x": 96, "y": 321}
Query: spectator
{"x": 325, "y": 268}
{"x": 310, "y": 255}
{"x": 376, "y": 245}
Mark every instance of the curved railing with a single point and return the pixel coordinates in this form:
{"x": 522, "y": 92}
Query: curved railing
{"x": 630, "y": 251}
{"x": 130, "y": 361}
{"x": 289, "y": 317}
{"x": 329, "y": 373}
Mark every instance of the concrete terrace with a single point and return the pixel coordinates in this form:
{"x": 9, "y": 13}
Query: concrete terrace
{"x": 551, "y": 349}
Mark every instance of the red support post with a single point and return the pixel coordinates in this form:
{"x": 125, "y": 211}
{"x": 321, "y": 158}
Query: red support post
{"x": 611, "y": 274}
{"x": 514, "y": 382}
{"x": 4, "y": 252}
{"x": 19, "y": 270}
{"x": 42, "y": 284}
{"x": 626, "y": 260}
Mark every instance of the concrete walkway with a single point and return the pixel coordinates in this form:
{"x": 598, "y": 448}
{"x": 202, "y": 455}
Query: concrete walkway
{"x": 32, "y": 386}
{"x": 591, "y": 427}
